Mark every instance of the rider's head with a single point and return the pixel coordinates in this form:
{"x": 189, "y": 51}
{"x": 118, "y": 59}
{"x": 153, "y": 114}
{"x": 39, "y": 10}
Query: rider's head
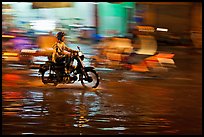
{"x": 60, "y": 36}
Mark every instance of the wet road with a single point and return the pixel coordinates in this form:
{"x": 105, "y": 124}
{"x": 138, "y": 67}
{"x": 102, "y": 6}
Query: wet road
{"x": 125, "y": 102}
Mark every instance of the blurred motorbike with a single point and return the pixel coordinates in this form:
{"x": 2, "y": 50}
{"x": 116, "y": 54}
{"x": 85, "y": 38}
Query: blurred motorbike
{"x": 54, "y": 73}
{"x": 157, "y": 63}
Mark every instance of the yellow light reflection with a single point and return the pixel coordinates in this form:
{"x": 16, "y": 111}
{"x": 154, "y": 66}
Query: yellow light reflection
{"x": 10, "y": 54}
{"x": 8, "y": 36}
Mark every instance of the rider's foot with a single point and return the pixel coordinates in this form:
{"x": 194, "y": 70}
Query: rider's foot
{"x": 72, "y": 67}
{"x": 67, "y": 71}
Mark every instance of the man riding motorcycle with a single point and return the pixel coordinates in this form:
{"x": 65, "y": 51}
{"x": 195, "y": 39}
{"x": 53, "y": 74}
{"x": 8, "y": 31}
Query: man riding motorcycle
{"x": 62, "y": 69}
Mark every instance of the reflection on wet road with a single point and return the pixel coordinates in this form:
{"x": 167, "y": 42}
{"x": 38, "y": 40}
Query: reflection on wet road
{"x": 125, "y": 103}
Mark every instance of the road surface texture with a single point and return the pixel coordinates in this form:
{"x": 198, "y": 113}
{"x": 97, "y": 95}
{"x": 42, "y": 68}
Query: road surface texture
{"x": 125, "y": 102}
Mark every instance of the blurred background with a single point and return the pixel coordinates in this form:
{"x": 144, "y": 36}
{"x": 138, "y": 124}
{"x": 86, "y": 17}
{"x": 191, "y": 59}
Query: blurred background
{"x": 170, "y": 104}
{"x": 30, "y": 27}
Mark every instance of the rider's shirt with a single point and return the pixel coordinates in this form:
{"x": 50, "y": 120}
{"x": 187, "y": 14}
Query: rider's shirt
{"x": 59, "y": 48}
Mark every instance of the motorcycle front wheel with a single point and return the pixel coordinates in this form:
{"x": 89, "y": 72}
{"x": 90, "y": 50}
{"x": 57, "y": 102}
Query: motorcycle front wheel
{"x": 49, "y": 77}
{"x": 92, "y": 81}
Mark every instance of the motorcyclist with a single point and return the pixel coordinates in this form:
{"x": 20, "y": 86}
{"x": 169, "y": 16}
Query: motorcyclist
{"x": 135, "y": 41}
{"x": 61, "y": 51}
{"x": 141, "y": 50}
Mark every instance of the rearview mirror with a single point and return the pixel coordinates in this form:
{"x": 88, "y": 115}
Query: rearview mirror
{"x": 78, "y": 47}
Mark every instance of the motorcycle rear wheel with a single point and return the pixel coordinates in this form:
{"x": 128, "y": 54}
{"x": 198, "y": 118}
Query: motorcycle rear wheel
{"x": 46, "y": 78}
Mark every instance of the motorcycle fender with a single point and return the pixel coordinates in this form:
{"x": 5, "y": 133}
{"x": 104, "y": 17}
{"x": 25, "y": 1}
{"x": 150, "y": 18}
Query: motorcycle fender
{"x": 89, "y": 68}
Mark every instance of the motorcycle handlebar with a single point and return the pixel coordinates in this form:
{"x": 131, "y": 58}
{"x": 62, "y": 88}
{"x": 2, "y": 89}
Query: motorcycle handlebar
{"x": 75, "y": 52}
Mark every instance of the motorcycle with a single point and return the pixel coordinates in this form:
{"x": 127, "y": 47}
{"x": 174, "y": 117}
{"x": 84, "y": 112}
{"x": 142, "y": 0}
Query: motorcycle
{"x": 158, "y": 63}
{"x": 54, "y": 73}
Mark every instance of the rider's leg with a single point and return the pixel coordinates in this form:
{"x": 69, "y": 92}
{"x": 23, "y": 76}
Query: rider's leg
{"x": 67, "y": 61}
{"x": 58, "y": 73}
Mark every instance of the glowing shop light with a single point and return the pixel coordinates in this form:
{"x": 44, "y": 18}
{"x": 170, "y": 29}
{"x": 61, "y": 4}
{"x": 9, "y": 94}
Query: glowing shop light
{"x": 162, "y": 29}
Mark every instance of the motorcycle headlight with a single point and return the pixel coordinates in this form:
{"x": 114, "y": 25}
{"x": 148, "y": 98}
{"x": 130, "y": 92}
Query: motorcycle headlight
{"x": 80, "y": 54}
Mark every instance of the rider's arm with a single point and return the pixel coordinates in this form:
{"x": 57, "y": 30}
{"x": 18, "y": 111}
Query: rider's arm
{"x": 67, "y": 48}
{"x": 54, "y": 45}
{"x": 54, "y": 52}
{"x": 53, "y": 56}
